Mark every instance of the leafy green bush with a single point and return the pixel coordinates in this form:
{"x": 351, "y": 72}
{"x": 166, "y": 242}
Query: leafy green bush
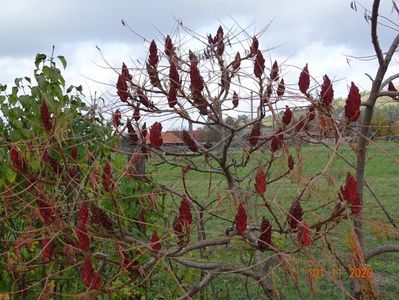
{"x": 61, "y": 231}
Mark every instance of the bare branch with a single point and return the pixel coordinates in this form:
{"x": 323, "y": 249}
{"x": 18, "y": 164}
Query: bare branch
{"x": 199, "y": 286}
{"x": 374, "y": 37}
{"x": 380, "y": 250}
{"x": 388, "y": 80}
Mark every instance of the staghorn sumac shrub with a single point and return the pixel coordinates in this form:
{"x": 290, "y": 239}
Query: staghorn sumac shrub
{"x": 222, "y": 181}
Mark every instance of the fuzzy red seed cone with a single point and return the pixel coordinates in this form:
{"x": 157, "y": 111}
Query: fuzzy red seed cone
{"x": 241, "y": 219}
{"x": 210, "y": 39}
{"x": 48, "y": 249}
{"x": 74, "y": 153}
{"x": 177, "y": 227}
{"x": 291, "y": 163}
{"x": 156, "y": 135}
{"x": 295, "y": 215}
{"x": 144, "y": 98}
{"x": 17, "y": 160}
{"x": 172, "y": 97}
{"x": 155, "y": 242}
{"x": 45, "y": 116}
{"x": 327, "y": 92}
{"x": 116, "y": 118}
{"x": 352, "y": 106}
{"x": 197, "y": 84}
{"x": 219, "y": 34}
{"x": 254, "y": 46}
{"x": 259, "y": 66}
{"x": 153, "y": 75}
{"x": 131, "y": 132}
{"x": 260, "y": 182}
{"x": 281, "y": 89}
{"x": 287, "y": 116}
{"x": 47, "y": 209}
{"x": 185, "y": 211}
{"x": 304, "y": 80}
{"x": 189, "y": 141}
{"x": 277, "y": 140}
{"x": 220, "y": 47}
{"x": 108, "y": 183}
{"x": 100, "y": 217}
{"x": 121, "y": 87}
{"x": 193, "y": 58}
{"x": 304, "y": 236}
{"x": 81, "y": 230}
{"x": 274, "y": 72}
{"x": 83, "y": 214}
{"x": 274, "y": 144}
{"x": 255, "y": 134}
{"x": 350, "y": 194}
{"x": 265, "y": 239}
{"x": 83, "y": 238}
{"x": 235, "y": 100}
{"x": 55, "y": 165}
{"x": 174, "y": 76}
{"x": 169, "y": 48}
{"x": 237, "y": 62}
{"x": 90, "y": 278}
{"x": 125, "y": 73}
{"x": 391, "y": 87}
{"x": 153, "y": 57}
{"x": 311, "y": 113}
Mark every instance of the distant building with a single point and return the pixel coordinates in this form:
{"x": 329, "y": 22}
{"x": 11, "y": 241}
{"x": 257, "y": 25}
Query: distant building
{"x": 169, "y": 139}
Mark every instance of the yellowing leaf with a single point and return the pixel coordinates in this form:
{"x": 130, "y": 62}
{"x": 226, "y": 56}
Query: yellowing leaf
{"x": 4, "y": 296}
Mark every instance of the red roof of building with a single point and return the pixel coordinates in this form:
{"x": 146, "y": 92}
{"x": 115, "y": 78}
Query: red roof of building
{"x": 168, "y": 138}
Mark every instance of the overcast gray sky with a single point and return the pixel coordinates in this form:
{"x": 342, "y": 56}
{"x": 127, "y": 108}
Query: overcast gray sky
{"x": 317, "y": 32}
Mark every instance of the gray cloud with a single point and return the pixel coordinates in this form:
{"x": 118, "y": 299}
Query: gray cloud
{"x": 31, "y": 26}
{"x": 28, "y": 26}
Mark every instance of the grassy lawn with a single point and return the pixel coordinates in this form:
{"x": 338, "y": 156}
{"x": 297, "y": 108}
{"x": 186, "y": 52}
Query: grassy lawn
{"x": 382, "y": 174}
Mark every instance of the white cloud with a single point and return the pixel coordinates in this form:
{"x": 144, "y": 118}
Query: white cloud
{"x": 12, "y": 68}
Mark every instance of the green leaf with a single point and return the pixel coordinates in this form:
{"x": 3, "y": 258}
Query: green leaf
{"x": 35, "y": 165}
{"x": 26, "y": 101}
{"x": 5, "y": 109}
{"x": 10, "y": 175}
{"x": 3, "y": 87}
{"x": 12, "y": 99}
{"x": 41, "y": 81}
{"x": 17, "y": 81}
{"x": 63, "y": 60}
{"x": 35, "y": 91}
{"x": 7, "y": 173}
{"x": 46, "y": 72}
{"x": 39, "y": 58}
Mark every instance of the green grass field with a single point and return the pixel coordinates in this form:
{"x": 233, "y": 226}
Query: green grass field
{"x": 382, "y": 174}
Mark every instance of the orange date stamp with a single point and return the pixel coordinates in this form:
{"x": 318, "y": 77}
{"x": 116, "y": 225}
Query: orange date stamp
{"x": 359, "y": 273}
